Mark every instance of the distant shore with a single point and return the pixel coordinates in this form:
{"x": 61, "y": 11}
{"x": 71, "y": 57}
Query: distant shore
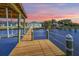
{"x": 14, "y": 27}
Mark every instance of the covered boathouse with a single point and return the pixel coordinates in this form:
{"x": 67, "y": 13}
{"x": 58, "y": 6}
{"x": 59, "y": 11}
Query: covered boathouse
{"x": 26, "y": 46}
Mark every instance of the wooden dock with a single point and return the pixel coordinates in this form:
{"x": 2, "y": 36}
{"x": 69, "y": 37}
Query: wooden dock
{"x": 27, "y": 36}
{"x": 36, "y": 48}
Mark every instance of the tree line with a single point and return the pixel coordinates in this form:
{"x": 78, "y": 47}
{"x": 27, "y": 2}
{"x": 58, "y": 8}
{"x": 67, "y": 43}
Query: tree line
{"x": 61, "y": 24}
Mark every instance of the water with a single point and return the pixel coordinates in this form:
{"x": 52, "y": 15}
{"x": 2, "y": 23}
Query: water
{"x": 39, "y": 34}
{"x": 7, "y": 44}
{"x": 58, "y": 38}
{"x": 11, "y": 32}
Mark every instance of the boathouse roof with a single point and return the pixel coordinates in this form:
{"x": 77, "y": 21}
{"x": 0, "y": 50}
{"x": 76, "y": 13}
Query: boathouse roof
{"x": 13, "y": 10}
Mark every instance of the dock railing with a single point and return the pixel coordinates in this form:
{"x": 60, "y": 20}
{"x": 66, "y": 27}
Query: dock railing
{"x": 64, "y": 42}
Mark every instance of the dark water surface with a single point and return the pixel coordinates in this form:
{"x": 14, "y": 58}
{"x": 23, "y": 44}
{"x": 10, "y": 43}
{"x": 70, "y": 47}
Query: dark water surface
{"x": 39, "y": 34}
{"x": 58, "y": 37}
{"x": 7, "y": 44}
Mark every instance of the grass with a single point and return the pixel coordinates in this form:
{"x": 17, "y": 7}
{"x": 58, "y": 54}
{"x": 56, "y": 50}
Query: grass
{"x": 13, "y": 27}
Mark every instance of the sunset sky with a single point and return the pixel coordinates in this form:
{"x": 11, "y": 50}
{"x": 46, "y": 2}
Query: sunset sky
{"x": 48, "y": 11}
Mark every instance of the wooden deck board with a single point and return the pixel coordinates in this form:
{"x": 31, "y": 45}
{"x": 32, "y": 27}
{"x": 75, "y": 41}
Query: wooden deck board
{"x": 36, "y": 48}
{"x": 41, "y": 48}
{"x": 27, "y": 36}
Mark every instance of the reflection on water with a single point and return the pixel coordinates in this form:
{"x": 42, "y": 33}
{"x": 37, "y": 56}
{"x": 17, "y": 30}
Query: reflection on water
{"x": 7, "y": 44}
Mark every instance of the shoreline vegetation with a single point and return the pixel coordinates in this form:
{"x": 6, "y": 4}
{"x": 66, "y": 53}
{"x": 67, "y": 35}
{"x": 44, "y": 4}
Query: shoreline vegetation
{"x": 52, "y": 24}
{"x": 10, "y": 28}
{"x": 62, "y": 24}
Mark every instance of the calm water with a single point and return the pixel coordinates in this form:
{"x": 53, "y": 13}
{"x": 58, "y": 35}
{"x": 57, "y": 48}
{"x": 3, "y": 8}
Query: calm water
{"x": 11, "y": 32}
{"x": 7, "y": 44}
{"x": 39, "y": 34}
{"x": 56, "y": 36}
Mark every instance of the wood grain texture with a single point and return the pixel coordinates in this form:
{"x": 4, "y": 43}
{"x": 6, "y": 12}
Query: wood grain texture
{"x": 36, "y": 48}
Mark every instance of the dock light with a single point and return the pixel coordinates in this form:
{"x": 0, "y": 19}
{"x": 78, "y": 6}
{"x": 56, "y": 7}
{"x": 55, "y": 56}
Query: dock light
{"x": 69, "y": 45}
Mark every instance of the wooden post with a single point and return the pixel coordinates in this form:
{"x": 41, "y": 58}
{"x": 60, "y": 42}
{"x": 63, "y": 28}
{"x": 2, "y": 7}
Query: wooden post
{"x": 19, "y": 28}
{"x": 69, "y": 45}
{"x": 47, "y": 34}
{"x": 7, "y": 22}
{"x": 11, "y": 30}
{"x": 24, "y": 26}
{"x": 32, "y": 34}
{"x": 11, "y": 25}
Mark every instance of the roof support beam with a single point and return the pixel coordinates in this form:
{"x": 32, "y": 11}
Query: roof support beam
{"x": 12, "y": 4}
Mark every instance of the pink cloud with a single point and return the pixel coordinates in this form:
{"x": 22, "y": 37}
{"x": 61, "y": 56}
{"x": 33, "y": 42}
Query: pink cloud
{"x": 43, "y": 14}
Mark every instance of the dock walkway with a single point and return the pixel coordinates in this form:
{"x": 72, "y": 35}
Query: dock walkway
{"x": 27, "y": 36}
{"x": 30, "y": 47}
